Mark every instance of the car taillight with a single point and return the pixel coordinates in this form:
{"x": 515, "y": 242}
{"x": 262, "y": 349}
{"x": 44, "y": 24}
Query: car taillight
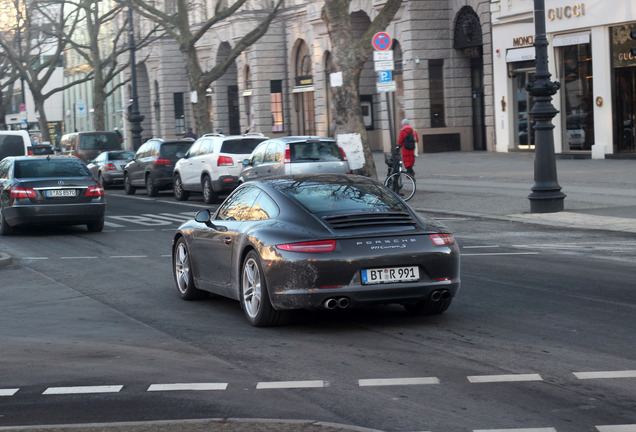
{"x": 30, "y": 152}
{"x": 22, "y": 192}
{"x": 442, "y": 239}
{"x": 162, "y": 162}
{"x": 312, "y": 246}
{"x": 95, "y": 191}
{"x": 287, "y": 154}
{"x": 342, "y": 152}
{"x": 224, "y": 161}
{"x": 111, "y": 167}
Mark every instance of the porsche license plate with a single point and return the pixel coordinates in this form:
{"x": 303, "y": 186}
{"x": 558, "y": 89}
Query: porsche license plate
{"x": 61, "y": 193}
{"x": 390, "y": 275}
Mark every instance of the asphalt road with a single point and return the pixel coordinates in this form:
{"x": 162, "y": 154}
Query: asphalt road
{"x": 541, "y": 337}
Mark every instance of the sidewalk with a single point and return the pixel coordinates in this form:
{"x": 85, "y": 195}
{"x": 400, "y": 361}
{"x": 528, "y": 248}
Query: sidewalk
{"x": 601, "y": 194}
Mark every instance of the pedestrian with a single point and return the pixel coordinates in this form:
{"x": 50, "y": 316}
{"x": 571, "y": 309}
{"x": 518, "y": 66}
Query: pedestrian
{"x": 408, "y": 141}
{"x": 190, "y": 134}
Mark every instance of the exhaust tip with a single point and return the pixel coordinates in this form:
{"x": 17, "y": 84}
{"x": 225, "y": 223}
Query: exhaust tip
{"x": 436, "y": 296}
{"x": 343, "y": 302}
{"x": 330, "y": 303}
{"x": 446, "y": 294}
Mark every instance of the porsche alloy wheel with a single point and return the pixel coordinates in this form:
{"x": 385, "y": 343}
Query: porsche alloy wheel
{"x": 254, "y": 296}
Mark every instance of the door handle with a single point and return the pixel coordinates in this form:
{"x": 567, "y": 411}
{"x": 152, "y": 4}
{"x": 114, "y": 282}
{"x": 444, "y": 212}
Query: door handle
{"x": 227, "y": 240}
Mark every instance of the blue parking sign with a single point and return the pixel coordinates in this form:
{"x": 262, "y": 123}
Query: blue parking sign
{"x": 385, "y": 76}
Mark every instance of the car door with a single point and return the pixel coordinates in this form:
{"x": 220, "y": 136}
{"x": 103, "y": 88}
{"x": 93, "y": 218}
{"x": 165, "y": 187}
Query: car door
{"x": 215, "y": 248}
{"x": 252, "y": 171}
{"x": 135, "y": 166}
{"x": 188, "y": 166}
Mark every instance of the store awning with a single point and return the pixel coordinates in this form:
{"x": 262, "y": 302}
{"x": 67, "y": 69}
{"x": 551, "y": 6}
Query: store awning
{"x": 571, "y": 39}
{"x": 520, "y": 54}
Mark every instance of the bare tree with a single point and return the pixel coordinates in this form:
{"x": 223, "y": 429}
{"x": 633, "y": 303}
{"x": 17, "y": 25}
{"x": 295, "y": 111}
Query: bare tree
{"x": 349, "y": 56}
{"x": 39, "y": 38}
{"x": 101, "y": 41}
{"x": 178, "y": 25}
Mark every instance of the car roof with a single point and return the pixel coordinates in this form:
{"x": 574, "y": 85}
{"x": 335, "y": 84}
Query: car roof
{"x": 301, "y": 138}
{"x": 51, "y": 157}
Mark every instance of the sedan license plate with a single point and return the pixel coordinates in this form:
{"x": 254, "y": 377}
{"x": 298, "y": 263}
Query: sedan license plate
{"x": 61, "y": 193}
{"x": 390, "y": 275}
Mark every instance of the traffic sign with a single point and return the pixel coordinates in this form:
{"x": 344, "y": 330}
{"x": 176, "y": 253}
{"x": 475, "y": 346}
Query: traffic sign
{"x": 381, "y": 41}
{"x": 22, "y": 107}
{"x": 383, "y": 65}
{"x": 383, "y": 55}
{"x": 386, "y": 86}
{"x": 384, "y": 76}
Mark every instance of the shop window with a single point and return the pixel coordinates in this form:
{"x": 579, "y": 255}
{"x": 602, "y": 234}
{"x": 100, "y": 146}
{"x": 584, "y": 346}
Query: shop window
{"x": 436, "y": 86}
{"x": 577, "y": 97}
{"x": 179, "y": 114}
{"x": 276, "y": 105}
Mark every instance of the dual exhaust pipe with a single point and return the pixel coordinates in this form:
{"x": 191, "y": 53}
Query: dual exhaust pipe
{"x": 336, "y": 302}
{"x": 438, "y": 295}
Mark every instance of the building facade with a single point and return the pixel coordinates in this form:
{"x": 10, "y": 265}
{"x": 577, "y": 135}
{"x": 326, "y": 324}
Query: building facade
{"x": 281, "y": 84}
{"x": 589, "y": 54}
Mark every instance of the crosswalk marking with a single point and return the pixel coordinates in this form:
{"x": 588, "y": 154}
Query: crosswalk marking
{"x": 8, "y": 391}
{"x": 617, "y": 428}
{"x": 605, "y": 374}
{"x": 290, "y": 384}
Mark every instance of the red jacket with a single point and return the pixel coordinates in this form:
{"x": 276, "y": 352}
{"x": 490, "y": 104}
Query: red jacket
{"x": 408, "y": 156}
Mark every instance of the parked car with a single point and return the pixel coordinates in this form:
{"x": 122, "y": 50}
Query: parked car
{"x": 316, "y": 242}
{"x": 14, "y": 143}
{"x": 108, "y": 166}
{"x": 41, "y": 149}
{"x": 576, "y": 136}
{"x": 295, "y": 155}
{"x": 87, "y": 145}
{"x": 45, "y": 190}
{"x": 213, "y": 164}
{"x": 152, "y": 165}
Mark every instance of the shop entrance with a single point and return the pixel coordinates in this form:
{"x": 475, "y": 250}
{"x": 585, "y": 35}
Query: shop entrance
{"x": 523, "y": 102}
{"x": 625, "y": 121}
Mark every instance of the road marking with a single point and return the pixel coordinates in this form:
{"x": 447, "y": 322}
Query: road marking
{"x": 112, "y": 224}
{"x": 480, "y": 247}
{"x": 617, "y": 428}
{"x": 169, "y": 217}
{"x": 8, "y": 392}
{"x": 397, "y": 381}
{"x": 129, "y": 256}
{"x": 138, "y": 230}
{"x": 504, "y": 378}
{"x": 605, "y": 374}
{"x": 185, "y": 386}
{"x": 83, "y": 390}
{"x": 166, "y": 256}
{"x": 35, "y": 258}
{"x": 517, "y": 430}
{"x": 501, "y": 253}
{"x": 80, "y": 257}
{"x": 290, "y": 384}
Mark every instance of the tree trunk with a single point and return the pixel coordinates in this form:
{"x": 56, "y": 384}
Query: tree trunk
{"x": 42, "y": 121}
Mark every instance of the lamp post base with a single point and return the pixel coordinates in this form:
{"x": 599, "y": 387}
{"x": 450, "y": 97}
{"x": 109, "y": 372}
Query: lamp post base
{"x": 546, "y": 201}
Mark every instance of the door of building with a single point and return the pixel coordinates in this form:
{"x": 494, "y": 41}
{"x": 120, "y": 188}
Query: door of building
{"x": 233, "y": 109}
{"x": 523, "y": 103}
{"x": 477, "y": 81}
{"x": 625, "y": 114}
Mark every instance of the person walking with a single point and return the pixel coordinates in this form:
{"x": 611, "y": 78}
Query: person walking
{"x": 408, "y": 141}
{"x": 190, "y": 134}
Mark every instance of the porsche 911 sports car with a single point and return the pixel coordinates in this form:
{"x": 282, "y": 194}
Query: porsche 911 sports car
{"x": 316, "y": 241}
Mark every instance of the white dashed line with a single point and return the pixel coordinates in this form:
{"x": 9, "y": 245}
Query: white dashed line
{"x": 617, "y": 428}
{"x": 129, "y": 256}
{"x": 184, "y": 386}
{"x": 83, "y": 390}
{"x": 290, "y": 384}
{"x": 504, "y": 378}
{"x": 397, "y": 381}
{"x": 35, "y": 258}
{"x": 113, "y": 225}
{"x": 481, "y": 247}
{"x": 605, "y": 374}
{"x": 81, "y": 257}
{"x": 8, "y": 392}
{"x": 549, "y": 429}
{"x": 500, "y": 253}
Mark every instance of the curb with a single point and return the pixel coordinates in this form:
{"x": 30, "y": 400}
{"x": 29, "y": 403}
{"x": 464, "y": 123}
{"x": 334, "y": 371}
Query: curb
{"x": 5, "y": 259}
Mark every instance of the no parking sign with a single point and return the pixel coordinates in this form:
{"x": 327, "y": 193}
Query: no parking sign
{"x": 381, "y": 41}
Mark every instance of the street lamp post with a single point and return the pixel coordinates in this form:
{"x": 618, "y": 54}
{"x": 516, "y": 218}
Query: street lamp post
{"x": 546, "y": 196}
{"x": 135, "y": 118}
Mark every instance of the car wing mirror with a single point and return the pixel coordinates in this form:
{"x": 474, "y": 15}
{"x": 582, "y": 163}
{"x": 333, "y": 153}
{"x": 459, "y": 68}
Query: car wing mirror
{"x": 247, "y": 162}
{"x": 205, "y": 217}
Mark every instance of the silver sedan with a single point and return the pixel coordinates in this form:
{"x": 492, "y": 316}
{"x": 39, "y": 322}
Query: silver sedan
{"x": 108, "y": 167}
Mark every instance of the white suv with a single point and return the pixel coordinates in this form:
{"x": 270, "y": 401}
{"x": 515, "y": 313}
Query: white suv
{"x": 212, "y": 165}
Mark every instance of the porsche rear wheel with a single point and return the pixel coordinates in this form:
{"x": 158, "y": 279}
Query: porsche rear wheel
{"x": 255, "y": 300}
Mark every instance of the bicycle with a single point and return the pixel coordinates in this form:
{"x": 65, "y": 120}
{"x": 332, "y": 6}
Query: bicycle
{"x": 396, "y": 179}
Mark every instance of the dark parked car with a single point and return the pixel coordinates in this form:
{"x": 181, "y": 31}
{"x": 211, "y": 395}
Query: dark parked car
{"x": 41, "y": 149}
{"x": 152, "y": 166}
{"x": 316, "y": 241}
{"x": 45, "y": 190}
{"x": 108, "y": 166}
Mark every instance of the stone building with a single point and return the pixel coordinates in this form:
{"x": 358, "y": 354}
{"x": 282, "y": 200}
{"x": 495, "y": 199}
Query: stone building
{"x": 281, "y": 84}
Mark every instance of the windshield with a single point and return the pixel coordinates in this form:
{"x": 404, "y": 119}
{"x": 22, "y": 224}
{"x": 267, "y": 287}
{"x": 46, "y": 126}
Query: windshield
{"x": 170, "y": 150}
{"x": 348, "y": 197}
{"x": 122, "y": 155}
{"x": 42, "y": 168}
{"x": 103, "y": 141}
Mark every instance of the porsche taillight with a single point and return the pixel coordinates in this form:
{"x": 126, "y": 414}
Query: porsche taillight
{"x": 442, "y": 239}
{"x": 312, "y": 246}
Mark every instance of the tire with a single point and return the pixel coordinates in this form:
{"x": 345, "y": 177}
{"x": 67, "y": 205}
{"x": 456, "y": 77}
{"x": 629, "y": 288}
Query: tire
{"x": 128, "y": 188}
{"x": 254, "y": 296}
{"x": 101, "y": 180}
{"x": 406, "y": 185}
{"x": 182, "y": 272}
{"x": 96, "y": 226}
{"x": 5, "y": 228}
{"x": 179, "y": 193}
{"x": 209, "y": 196}
{"x": 428, "y": 307}
{"x": 151, "y": 189}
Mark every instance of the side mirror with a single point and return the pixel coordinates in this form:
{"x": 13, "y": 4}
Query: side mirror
{"x": 205, "y": 217}
{"x": 180, "y": 155}
{"x": 247, "y": 162}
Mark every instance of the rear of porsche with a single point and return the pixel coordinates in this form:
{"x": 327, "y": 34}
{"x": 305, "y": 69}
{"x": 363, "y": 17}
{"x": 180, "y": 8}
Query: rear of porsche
{"x": 365, "y": 258}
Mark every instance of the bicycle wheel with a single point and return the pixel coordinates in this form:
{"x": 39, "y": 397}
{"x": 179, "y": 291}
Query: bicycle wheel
{"x": 405, "y": 185}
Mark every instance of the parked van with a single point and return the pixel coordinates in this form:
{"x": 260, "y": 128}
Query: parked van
{"x": 14, "y": 143}
{"x": 87, "y": 145}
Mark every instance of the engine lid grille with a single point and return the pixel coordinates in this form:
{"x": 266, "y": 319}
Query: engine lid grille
{"x": 361, "y": 220}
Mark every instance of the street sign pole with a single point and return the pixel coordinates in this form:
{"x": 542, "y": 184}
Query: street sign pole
{"x": 383, "y": 59}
